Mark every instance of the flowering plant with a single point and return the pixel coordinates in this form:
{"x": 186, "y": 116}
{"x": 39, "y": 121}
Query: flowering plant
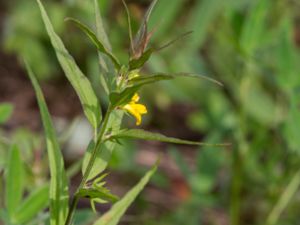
{"x": 121, "y": 83}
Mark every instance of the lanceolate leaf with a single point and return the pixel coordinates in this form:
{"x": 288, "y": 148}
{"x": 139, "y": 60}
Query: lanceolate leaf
{"x": 58, "y": 182}
{"x": 147, "y": 135}
{"x": 32, "y": 205}
{"x": 100, "y": 46}
{"x": 113, "y": 216}
{"x": 14, "y": 181}
{"x": 80, "y": 83}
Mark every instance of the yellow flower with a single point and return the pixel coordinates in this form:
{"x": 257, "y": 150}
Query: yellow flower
{"x": 137, "y": 110}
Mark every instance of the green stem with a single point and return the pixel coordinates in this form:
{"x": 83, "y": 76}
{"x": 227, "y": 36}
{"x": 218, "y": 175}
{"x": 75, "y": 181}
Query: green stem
{"x": 95, "y": 152}
{"x": 284, "y": 199}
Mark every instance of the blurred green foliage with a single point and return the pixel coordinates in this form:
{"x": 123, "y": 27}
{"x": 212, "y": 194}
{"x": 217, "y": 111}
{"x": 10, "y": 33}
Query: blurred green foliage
{"x": 252, "y": 47}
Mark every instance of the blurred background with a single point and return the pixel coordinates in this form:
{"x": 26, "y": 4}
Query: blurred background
{"x": 251, "y": 46}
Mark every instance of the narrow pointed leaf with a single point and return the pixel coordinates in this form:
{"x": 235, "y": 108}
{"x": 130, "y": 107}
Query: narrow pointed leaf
{"x": 78, "y": 80}
{"x": 190, "y": 75}
{"x": 32, "y": 205}
{"x": 149, "y": 79}
{"x": 58, "y": 183}
{"x": 14, "y": 181}
{"x": 100, "y": 46}
{"x": 113, "y": 216}
{"x": 147, "y": 135}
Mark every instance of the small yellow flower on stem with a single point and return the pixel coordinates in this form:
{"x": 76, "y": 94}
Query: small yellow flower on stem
{"x": 137, "y": 110}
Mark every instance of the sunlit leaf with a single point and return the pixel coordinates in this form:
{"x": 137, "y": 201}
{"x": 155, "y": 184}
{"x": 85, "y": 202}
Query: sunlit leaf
{"x": 32, "y": 205}
{"x": 80, "y": 83}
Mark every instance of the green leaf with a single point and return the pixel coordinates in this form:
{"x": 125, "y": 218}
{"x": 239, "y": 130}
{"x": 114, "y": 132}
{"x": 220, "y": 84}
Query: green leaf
{"x": 254, "y": 26}
{"x": 32, "y": 205}
{"x": 107, "y": 71}
{"x": 14, "y": 181}
{"x": 113, "y": 216}
{"x": 106, "y": 148}
{"x": 148, "y": 79}
{"x": 97, "y": 193}
{"x": 139, "y": 62}
{"x": 80, "y": 83}
{"x": 6, "y": 110}
{"x": 142, "y": 38}
{"x": 121, "y": 98}
{"x": 147, "y": 135}
{"x": 100, "y": 46}
{"x": 58, "y": 183}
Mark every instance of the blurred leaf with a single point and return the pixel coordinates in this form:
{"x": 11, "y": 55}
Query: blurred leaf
{"x": 258, "y": 103}
{"x": 106, "y": 148}
{"x": 100, "y": 46}
{"x": 83, "y": 217}
{"x": 6, "y": 110}
{"x": 80, "y": 83}
{"x": 200, "y": 19}
{"x": 170, "y": 13}
{"x": 32, "y": 205}
{"x": 147, "y": 135}
{"x": 287, "y": 59}
{"x": 14, "y": 181}
{"x": 113, "y": 216}
{"x": 59, "y": 198}
{"x": 254, "y": 26}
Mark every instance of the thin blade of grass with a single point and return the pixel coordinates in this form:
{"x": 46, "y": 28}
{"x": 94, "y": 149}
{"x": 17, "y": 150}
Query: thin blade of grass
{"x": 58, "y": 183}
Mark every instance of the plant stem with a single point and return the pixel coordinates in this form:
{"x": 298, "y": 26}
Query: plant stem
{"x": 95, "y": 152}
{"x": 284, "y": 199}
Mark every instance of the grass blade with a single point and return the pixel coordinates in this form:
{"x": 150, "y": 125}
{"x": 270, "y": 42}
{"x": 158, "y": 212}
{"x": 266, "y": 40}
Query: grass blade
{"x": 14, "y": 181}
{"x": 58, "y": 184}
{"x": 32, "y": 205}
{"x": 113, "y": 216}
{"x": 80, "y": 83}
